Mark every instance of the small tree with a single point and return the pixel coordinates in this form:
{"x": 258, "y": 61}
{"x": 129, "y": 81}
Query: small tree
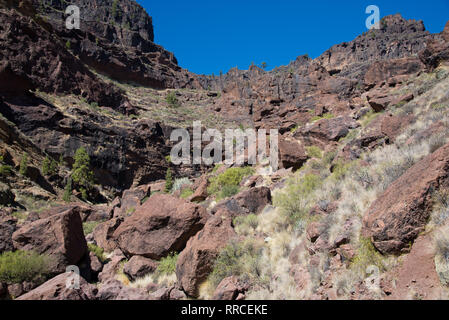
{"x": 263, "y": 65}
{"x": 172, "y": 100}
{"x": 24, "y": 164}
{"x": 168, "y": 181}
{"x": 67, "y": 191}
{"x": 82, "y": 174}
{"x": 46, "y": 166}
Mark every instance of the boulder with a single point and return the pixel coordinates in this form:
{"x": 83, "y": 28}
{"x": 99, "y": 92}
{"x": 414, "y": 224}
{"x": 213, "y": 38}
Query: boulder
{"x": 60, "y": 236}
{"x": 131, "y": 200}
{"x": 56, "y": 289}
{"x": 397, "y": 217}
{"x": 327, "y": 130}
{"x": 103, "y": 234}
{"x": 115, "y": 290}
{"x": 138, "y": 267}
{"x": 230, "y": 288}
{"x": 249, "y": 201}
{"x": 196, "y": 261}
{"x": 292, "y": 153}
{"x": 111, "y": 268}
{"x": 163, "y": 224}
{"x": 200, "y": 188}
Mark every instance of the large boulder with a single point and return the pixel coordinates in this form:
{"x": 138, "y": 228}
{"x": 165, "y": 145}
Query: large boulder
{"x": 397, "y": 217}
{"x": 132, "y": 199}
{"x": 138, "y": 267}
{"x": 249, "y": 201}
{"x": 230, "y": 288}
{"x": 292, "y": 153}
{"x": 59, "y": 236}
{"x": 327, "y": 130}
{"x": 196, "y": 261}
{"x": 163, "y": 224}
{"x": 57, "y": 289}
{"x": 103, "y": 234}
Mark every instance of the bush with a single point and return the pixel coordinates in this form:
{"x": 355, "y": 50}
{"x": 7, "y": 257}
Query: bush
{"x": 5, "y": 170}
{"x": 20, "y": 266}
{"x": 167, "y": 265}
{"x": 67, "y": 191}
{"x": 49, "y": 166}
{"x": 245, "y": 224}
{"x": 97, "y": 251}
{"x": 366, "y": 256}
{"x": 172, "y": 100}
{"x": 314, "y": 152}
{"x": 237, "y": 259}
{"x": 24, "y": 164}
{"x": 168, "y": 181}
{"x": 88, "y": 227}
{"x": 294, "y": 201}
{"x": 82, "y": 174}
{"x": 186, "y": 192}
{"x": 227, "y": 183}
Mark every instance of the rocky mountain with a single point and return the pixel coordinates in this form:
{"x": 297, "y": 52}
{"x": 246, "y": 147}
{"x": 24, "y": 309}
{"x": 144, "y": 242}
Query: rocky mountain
{"x": 358, "y": 209}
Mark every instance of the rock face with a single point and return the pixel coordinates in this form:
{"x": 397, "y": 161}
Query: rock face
{"x": 397, "y": 217}
{"x": 47, "y": 63}
{"x": 196, "y": 261}
{"x": 56, "y": 289}
{"x": 163, "y": 224}
{"x": 292, "y": 154}
{"x": 7, "y": 228}
{"x": 59, "y": 236}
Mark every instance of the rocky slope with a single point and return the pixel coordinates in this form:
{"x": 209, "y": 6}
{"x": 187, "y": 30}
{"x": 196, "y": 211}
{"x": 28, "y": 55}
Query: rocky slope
{"x": 363, "y": 150}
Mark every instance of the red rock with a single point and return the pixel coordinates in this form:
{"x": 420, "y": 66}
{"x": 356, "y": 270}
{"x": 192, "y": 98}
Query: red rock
{"x": 329, "y": 129}
{"x": 398, "y": 215}
{"x": 249, "y": 201}
{"x": 292, "y": 153}
{"x": 56, "y": 289}
{"x": 196, "y": 261}
{"x": 230, "y": 288}
{"x": 59, "y": 236}
{"x": 103, "y": 234}
{"x": 138, "y": 267}
{"x": 115, "y": 290}
{"x": 111, "y": 268}
{"x": 163, "y": 224}
{"x": 313, "y": 231}
{"x": 200, "y": 188}
{"x": 8, "y": 224}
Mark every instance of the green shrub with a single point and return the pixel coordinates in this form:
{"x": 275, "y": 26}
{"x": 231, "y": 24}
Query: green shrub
{"x": 237, "y": 259}
{"x": 24, "y": 164}
{"x": 294, "y": 201}
{"x": 340, "y": 169}
{"x": 20, "y": 266}
{"x": 314, "y": 152}
{"x": 68, "y": 45}
{"x": 167, "y": 265}
{"x": 82, "y": 174}
{"x": 5, "y": 170}
{"x": 168, "y": 181}
{"x": 67, "y": 191}
{"x": 367, "y": 255}
{"x": 46, "y": 166}
{"x": 243, "y": 224}
{"x": 324, "y": 116}
{"x": 97, "y": 251}
{"x": 88, "y": 227}
{"x": 172, "y": 100}
{"x": 227, "y": 183}
{"x": 186, "y": 192}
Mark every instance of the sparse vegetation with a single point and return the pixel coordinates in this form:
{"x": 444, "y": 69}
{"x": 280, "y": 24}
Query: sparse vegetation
{"x": 168, "y": 181}
{"x": 97, "y": 251}
{"x": 324, "y": 116}
{"x": 172, "y": 100}
{"x": 227, "y": 184}
{"x": 314, "y": 152}
{"x": 167, "y": 265}
{"x": 20, "y": 266}
{"x": 82, "y": 174}
{"x": 68, "y": 191}
{"x": 23, "y": 168}
{"x": 88, "y": 227}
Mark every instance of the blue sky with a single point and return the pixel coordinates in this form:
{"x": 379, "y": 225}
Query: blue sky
{"x": 212, "y": 36}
